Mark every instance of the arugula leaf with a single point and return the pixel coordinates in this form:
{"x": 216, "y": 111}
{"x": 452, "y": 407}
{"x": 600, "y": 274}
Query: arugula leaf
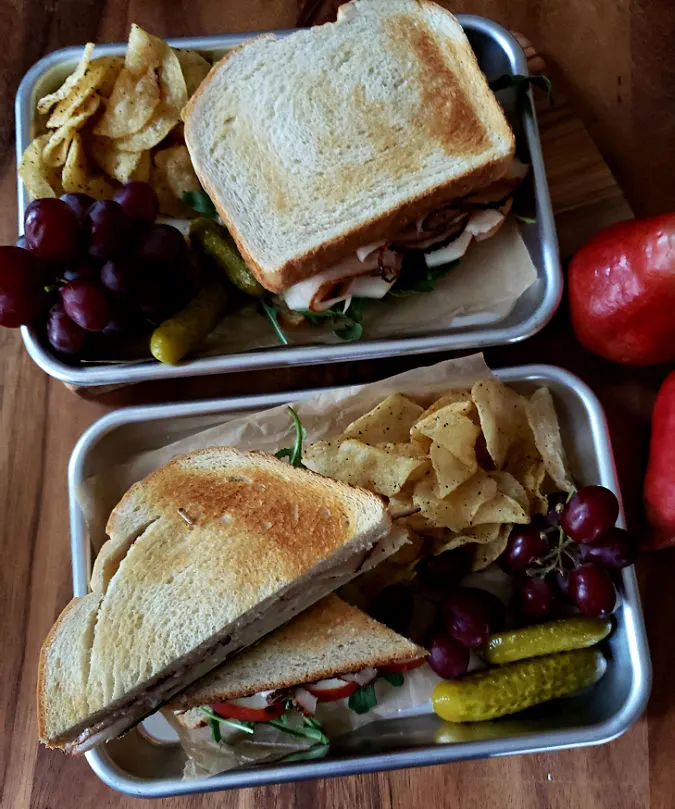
{"x": 363, "y": 699}
{"x": 394, "y": 678}
{"x": 215, "y": 730}
{"x": 201, "y": 202}
{"x": 422, "y": 279}
{"x": 528, "y": 220}
{"x": 318, "y": 751}
{"x": 347, "y": 324}
{"x": 306, "y": 732}
{"x": 294, "y": 453}
{"x": 273, "y": 316}
{"x": 238, "y": 724}
{"x": 523, "y": 83}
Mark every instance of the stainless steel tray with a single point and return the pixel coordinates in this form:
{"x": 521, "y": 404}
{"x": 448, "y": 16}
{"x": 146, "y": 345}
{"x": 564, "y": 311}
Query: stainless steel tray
{"x": 137, "y": 766}
{"x": 498, "y": 53}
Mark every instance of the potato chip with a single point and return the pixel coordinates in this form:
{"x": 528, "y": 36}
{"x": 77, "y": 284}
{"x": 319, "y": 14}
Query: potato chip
{"x": 390, "y": 421}
{"x": 485, "y": 555}
{"x": 48, "y": 101}
{"x": 35, "y": 173}
{"x": 174, "y": 89}
{"x": 457, "y": 510}
{"x": 99, "y": 73}
{"x": 525, "y": 464}
{"x": 56, "y": 149}
{"x": 177, "y": 167}
{"x": 409, "y": 450}
{"x": 144, "y": 52}
{"x": 501, "y": 509}
{"x": 169, "y": 205}
{"x": 194, "y": 67}
{"x": 114, "y": 64}
{"x": 131, "y": 104}
{"x": 502, "y": 417}
{"x": 543, "y": 422}
{"x": 362, "y": 465}
{"x": 452, "y": 428}
{"x": 76, "y": 175}
{"x": 114, "y": 162}
{"x": 513, "y": 488}
{"x": 479, "y": 535}
{"x": 153, "y": 132}
{"x": 450, "y": 471}
{"x": 142, "y": 171}
{"x": 400, "y": 504}
{"x": 451, "y": 397}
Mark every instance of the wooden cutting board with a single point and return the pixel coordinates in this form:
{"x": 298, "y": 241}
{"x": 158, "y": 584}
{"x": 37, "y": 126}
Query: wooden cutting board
{"x": 40, "y": 421}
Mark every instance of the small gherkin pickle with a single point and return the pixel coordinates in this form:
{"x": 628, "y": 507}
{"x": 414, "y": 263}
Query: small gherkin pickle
{"x": 545, "y": 639}
{"x": 497, "y": 692}
{"x": 183, "y": 332}
{"x": 219, "y": 246}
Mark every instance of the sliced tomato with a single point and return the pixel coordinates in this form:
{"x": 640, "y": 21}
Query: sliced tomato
{"x": 234, "y": 710}
{"x": 331, "y": 689}
{"x": 405, "y": 665}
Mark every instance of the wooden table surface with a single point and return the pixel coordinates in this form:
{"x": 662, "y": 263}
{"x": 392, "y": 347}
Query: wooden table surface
{"x": 615, "y": 61}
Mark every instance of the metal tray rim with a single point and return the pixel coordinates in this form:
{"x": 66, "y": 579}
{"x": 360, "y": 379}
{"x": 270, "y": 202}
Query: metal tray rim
{"x": 599, "y": 733}
{"x": 309, "y": 355}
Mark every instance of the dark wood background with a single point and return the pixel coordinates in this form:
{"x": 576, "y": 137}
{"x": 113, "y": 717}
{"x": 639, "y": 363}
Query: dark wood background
{"x": 614, "y": 60}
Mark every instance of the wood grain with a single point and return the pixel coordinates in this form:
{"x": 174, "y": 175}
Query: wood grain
{"x": 614, "y": 61}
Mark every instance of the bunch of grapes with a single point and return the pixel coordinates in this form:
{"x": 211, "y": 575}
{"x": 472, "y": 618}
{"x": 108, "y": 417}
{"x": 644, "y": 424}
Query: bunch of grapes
{"x": 570, "y": 555}
{"x": 93, "y": 267}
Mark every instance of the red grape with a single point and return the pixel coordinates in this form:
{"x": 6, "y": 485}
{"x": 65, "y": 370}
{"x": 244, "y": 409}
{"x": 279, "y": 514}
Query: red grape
{"x": 63, "y": 334}
{"x": 21, "y": 292}
{"x": 445, "y": 570}
{"x": 120, "y": 277}
{"x": 80, "y": 204}
{"x": 591, "y": 511}
{"x": 534, "y": 598}
{"x": 51, "y": 229}
{"x": 82, "y": 269}
{"x": 139, "y": 201}
{"x": 471, "y": 615}
{"x": 592, "y": 590}
{"x": 122, "y": 321}
{"x": 108, "y": 227}
{"x": 161, "y": 244}
{"x": 86, "y": 304}
{"x": 615, "y": 549}
{"x": 526, "y": 546}
{"x": 447, "y": 657}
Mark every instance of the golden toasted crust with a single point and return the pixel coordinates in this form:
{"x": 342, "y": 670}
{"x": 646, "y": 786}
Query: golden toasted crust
{"x": 329, "y": 639}
{"x": 451, "y": 124}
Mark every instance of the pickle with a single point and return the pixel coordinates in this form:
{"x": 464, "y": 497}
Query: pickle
{"x": 183, "y": 332}
{"x": 219, "y": 246}
{"x": 497, "y": 692}
{"x": 545, "y": 639}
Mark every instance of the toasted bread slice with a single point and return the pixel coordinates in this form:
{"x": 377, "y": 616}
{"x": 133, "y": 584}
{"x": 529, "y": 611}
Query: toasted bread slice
{"x": 206, "y": 555}
{"x": 329, "y": 639}
{"x": 313, "y": 145}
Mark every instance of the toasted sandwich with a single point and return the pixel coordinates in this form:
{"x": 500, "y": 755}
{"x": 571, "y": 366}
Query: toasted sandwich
{"x": 327, "y": 653}
{"x": 332, "y": 152}
{"x": 206, "y": 555}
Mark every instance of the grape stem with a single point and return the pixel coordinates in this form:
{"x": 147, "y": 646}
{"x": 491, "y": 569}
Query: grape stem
{"x": 553, "y": 560}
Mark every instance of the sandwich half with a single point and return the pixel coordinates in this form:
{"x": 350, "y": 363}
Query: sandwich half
{"x": 324, "y": 655}
{"x": 206, "y": 555}
{"x": 327, "y": 152}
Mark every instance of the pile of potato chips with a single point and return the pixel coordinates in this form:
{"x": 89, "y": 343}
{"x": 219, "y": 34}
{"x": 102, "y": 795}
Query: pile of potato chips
{"x": 115, "y": 120}
{"x": 464, "y": 469}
